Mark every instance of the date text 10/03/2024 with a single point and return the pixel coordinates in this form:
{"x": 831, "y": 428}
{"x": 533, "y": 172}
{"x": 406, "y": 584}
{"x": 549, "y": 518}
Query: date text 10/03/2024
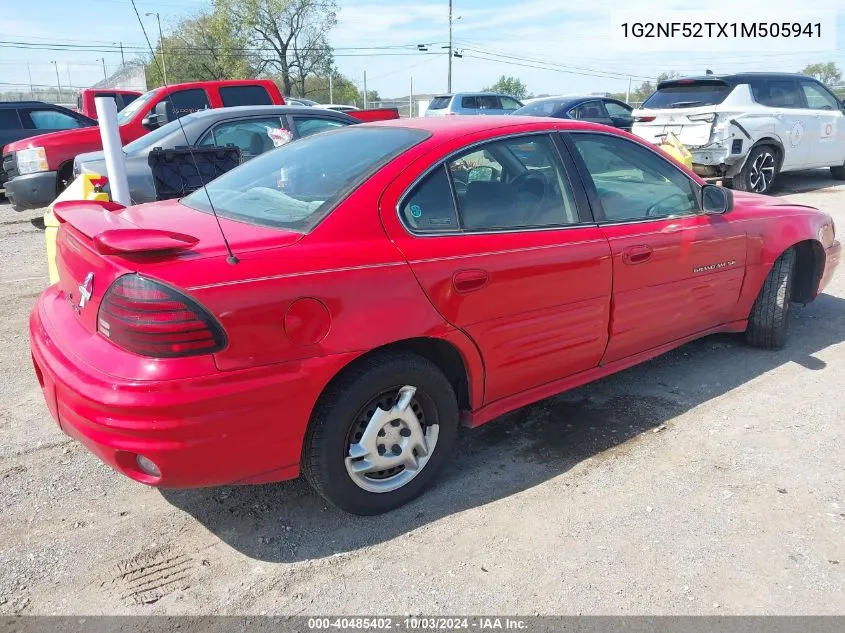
{"x": 418, "y": 624}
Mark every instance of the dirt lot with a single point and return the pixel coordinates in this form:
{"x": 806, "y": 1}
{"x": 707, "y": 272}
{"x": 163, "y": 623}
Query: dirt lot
{"x": 711, "y": 480}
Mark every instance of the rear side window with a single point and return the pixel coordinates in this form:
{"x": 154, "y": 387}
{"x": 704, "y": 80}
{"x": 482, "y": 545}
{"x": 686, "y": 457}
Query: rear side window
{"x": 688, "y": 94}
{"x": 470, "y": 103}
{"x": 489, "y": 102}
{"x": 544, "y": 107}
{"x": 9, "y": 120}
{"x": 778, "y": 93}
{"x": 431, "y": 207}
{"x": 439, "y": 103}
{"x": 306, "y": 126}
{"x": 244, "y": 95}
{"x": 187, "y": 101}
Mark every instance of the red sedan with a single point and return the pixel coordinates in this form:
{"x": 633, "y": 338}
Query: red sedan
{"x": 389, "y": 281}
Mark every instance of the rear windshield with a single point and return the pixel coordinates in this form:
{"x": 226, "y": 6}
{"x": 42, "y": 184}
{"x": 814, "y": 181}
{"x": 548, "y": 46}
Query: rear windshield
{"x": 295, "y": 186}
{"x": 438, "y": 103}
{"x": 543, "y": 107}
{"x": 689, "y": 95}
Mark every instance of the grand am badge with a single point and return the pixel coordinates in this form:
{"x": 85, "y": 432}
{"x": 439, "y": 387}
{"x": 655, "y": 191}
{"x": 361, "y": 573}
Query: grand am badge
{"x": 707, "y": 269}
{"x": 86, "y": 289}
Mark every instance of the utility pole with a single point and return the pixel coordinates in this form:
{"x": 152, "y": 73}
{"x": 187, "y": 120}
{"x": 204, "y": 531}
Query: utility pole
{"x": 105, "y": 76}
{"x": 411, "y": 99}
{"x": 449, "y": 82}
{"x": 161, "y": 45}
{"x": 122, "y": 58}
{"x": 58, "y": 82}
{"x": 365, "y": 89}
{"x": 69, "y": 80}
{"x": 31, "y": 91}
{"x": 331, "y": 91}
{"x": 628, "y": 94}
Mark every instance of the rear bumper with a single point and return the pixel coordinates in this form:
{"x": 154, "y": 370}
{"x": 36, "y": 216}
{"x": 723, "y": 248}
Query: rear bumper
{"x": 224, "y": 428}
{"x": 31, "y": 191}
{"x": 833, "y": 254}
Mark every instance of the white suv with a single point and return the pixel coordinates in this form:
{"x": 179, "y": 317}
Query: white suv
{"x": 747, "y": 128}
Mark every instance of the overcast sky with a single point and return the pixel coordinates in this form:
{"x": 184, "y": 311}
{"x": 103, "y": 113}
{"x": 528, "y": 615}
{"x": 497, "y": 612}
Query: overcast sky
{"x": 573, "y": 44}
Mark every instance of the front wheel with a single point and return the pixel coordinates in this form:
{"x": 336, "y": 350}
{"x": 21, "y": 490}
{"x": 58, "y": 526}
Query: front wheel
{"x": 769, "y": 319}
{"x": 759, "y": 171}
{"x": 380, "y": 433}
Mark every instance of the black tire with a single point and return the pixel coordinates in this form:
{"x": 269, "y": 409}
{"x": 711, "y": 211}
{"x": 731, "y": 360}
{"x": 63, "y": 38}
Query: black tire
{"x": 759, "y": 172}
{"x": 768, "y": 323}
{"x": 838, "y": 172}
{"x": 340, "y": 410}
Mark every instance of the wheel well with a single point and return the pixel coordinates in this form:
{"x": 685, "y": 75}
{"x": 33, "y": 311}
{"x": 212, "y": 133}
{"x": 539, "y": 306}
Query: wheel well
{"x": 445, "y": 355}
{"x": 65, "y": 170}
{"x": 809, "y": 258}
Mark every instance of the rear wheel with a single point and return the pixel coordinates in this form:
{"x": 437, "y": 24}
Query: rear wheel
{"x": 769, "y": 320}
{"x": 379, "y": 435}
{"x": 759, "y": 171}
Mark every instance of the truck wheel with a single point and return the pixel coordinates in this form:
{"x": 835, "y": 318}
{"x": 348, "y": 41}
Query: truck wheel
{"x": 64, "y": 177}
{"x": 379, "y": 435}
{"x": 838, "y": 172}
{"x": 769, "y": 319}
{"x": 759, "y": 171}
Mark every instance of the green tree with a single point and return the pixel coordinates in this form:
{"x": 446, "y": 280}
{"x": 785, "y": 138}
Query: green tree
{"x": 827, "y": 73}
{"x": 512, "y": 86}
{"x": 289, "y": 38}
{"x": 204, "y": 46}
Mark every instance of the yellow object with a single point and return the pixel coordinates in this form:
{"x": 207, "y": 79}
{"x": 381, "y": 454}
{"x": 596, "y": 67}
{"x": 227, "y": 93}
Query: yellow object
{"x": 80, "y": 189}
{"x": 672, "y": 145}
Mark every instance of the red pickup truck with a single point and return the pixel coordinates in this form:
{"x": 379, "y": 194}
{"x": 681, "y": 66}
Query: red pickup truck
{"x": 85, "y": 100}
{"x": 38, "y": 168}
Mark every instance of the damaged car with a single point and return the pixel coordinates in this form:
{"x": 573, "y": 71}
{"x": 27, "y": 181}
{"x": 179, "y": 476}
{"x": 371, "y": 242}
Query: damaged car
{"x": 747, "y": 128}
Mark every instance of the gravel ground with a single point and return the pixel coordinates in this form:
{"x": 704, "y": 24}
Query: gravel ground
{"x": 708, "y": 481}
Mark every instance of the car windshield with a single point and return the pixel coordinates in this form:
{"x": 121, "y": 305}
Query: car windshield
{"x": 542, "y": 107}
{"x": 688, "y": 94}
{"x": 297, "y": 185}
{"x": 126, "y": 115}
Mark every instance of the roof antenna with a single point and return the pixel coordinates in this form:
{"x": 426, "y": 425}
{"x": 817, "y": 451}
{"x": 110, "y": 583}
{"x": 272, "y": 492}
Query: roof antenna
{"x": 231, "y": 257}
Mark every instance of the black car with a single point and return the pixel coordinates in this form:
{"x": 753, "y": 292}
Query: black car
{"x": 252, "y": 129}
{"x": 586, "y": 108}
{"x": 22, "y": 119}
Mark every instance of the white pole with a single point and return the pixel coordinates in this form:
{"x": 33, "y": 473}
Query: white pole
{"x": 113, "y": 150}
{"x": 331, "y": 91}
{"x": 411, "y": 99}
{"x": 365, "y": 89}
{"x": 628, "y": 94}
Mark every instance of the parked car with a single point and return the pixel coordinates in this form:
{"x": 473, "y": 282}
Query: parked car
{"x": 339, "y": 107}
{"x": 38, "y": 168}
{"x": 253, "y": 129}
{"x": 23, "y": 119}
{"x": 388, "y": 281}
{"x": 748, "y": 128}
{"x": 472, "y": 103}
{"x": 299, "y": 101}
{"x": 122, "y": 98}
{"x": 590, "y": 108}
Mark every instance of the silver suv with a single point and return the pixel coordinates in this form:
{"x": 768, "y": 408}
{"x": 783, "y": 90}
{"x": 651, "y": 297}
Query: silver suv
{"x": 472, "y": 103}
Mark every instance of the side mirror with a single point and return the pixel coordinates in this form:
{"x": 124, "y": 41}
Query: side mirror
{"x": 715, "y": 200}
{"x": 157, "y": 117}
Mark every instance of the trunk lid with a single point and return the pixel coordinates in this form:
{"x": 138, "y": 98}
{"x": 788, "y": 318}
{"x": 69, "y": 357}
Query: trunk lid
{"x": 98, "y": 242}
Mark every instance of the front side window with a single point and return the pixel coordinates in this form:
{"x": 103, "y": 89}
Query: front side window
{"x": 617, "y": 110}
{"x": 295, "y": 186}
{"x": 501, "y": 185}
{"x": 138, "y": 104}
{"x": 632, "y": 182}
{"x": 306, "y": 126}
{"x": 252, "y": 136}
{"x": 489, "y": 102}
{"x": 588, "y": 110}
{"x": 817, "y": 97}
{"x": 53, "y": 120}
{"x": 778, "y": 93}
{"x": 188, "y": 101}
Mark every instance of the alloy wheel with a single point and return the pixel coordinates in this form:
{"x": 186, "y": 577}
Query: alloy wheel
{"x": 762, "y": 172}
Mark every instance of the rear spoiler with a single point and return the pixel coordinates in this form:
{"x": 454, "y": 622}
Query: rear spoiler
{"x": 113, "y": 234}
{"x": 375, "y": 114}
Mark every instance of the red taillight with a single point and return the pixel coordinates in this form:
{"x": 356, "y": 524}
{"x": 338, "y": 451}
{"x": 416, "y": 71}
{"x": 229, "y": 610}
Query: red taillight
{"x": 148, "y": 318}
{"x": 644, "y": 119}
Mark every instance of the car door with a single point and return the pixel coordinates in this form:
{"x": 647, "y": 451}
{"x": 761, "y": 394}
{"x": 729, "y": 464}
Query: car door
{"x": 828, "y": 148}
{"x": 508, "y": 254}
{"x": 794, "y": 124}
{"x": 252, "y": 135}
{"x": 676, "y": 272}
{"x": 592, "y": 111}
{"x": 620, "y": 114}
